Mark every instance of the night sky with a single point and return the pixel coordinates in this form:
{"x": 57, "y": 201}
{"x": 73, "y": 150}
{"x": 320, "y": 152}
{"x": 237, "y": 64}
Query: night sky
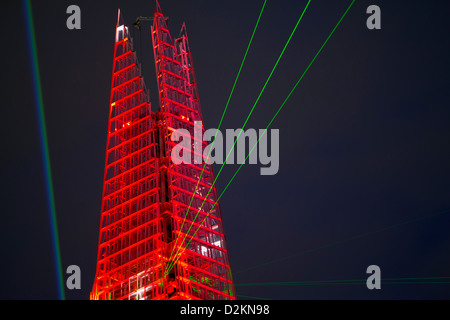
{"x": 364, "y": 141}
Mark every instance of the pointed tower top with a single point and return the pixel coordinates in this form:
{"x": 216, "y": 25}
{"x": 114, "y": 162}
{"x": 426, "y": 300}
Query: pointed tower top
{"x": 121, "y": 29}
{"x": 119, "y": 19}
{"x": 183, "y": 32}
{"x": 158, "y": 7}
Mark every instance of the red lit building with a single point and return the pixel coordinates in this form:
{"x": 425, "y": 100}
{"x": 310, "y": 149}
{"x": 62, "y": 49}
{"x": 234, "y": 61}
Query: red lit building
{"x": 161, "y": 231}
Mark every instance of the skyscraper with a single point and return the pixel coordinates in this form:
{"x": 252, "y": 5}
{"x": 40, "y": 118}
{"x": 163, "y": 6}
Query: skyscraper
{"x": 161, "y": 230}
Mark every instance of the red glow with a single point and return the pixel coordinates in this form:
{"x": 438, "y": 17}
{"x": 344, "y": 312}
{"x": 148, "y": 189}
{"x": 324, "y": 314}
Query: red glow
{"x": 146, "y": 196}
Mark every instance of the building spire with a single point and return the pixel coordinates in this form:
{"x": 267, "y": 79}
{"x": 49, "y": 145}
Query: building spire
{"x": 158, "y": 7}
{"x": 119, "y": 18}
{"x": 183, "y": 32}
{"x": 121, "y": 29}
{"x": 144, "y": 252}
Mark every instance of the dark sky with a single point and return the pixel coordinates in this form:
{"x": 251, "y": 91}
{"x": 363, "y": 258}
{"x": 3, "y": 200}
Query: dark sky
{"x": 364, "y": 140}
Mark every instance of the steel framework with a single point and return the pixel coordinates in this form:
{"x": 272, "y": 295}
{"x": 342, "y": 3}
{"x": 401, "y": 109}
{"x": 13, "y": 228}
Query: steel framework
{"x": 150, "y": 203}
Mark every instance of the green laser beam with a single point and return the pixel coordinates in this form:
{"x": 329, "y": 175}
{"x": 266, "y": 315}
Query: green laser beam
{"x": 243, "y": 126}
{"x": 354, "y": 282}
{"x": 248, "y": 117}
{"x": 220, "y": 122}
{"x": 364, "y": 283}
{"x": 44, "y": 144}
{"x": 257, "y": 298}
{"x": 332, "y": 244}
{"x": 318, "y": 282}
{"x": 273, "y": 118}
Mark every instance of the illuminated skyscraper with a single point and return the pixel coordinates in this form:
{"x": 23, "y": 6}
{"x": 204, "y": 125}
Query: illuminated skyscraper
{"x": 161, "y": 230}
